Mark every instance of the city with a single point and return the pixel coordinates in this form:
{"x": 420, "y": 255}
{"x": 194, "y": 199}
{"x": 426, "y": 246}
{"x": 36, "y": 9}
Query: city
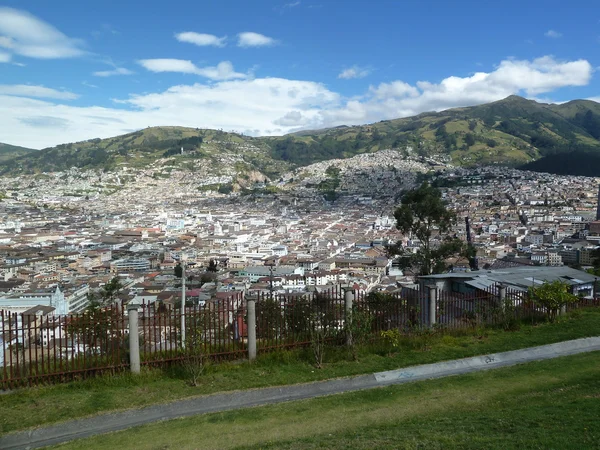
{"x": 299, "y": 224}
{"x": 79, "y": 238}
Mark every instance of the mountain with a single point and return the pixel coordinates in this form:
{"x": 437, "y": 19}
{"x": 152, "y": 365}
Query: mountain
{"x": 513, "y": 132}
{"x": 163, "y": 148}
{"x": 8, "y": 151}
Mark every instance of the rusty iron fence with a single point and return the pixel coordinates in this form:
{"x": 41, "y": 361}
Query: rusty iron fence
{"x": 36, "y": 349}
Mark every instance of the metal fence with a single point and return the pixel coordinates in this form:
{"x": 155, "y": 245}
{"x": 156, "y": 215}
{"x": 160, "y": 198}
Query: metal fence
{"x": 37, "y": 349}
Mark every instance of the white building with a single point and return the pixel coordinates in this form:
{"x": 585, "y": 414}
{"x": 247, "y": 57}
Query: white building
{"x": 19, "y": 303}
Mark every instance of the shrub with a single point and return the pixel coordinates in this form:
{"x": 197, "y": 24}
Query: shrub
{"x": 358, "y": 330}
{"x": 551, "y": 297}
{"x": 392, "y": 337}
{"x": 318, "y": 339}
{"x": 194, "y": 362}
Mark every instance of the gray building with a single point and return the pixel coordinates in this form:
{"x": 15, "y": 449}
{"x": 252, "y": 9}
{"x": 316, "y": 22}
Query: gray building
{"x": 517, "y": 278}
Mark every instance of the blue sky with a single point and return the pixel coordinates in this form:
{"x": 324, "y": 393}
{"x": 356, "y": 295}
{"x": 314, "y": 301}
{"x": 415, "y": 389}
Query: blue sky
{"x": 73, "y": 70}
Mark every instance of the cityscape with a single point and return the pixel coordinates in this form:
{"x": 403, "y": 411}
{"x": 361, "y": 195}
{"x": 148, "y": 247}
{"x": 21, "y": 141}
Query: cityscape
{"x": 64, "y": 230}
{"x": 299, "y": 224}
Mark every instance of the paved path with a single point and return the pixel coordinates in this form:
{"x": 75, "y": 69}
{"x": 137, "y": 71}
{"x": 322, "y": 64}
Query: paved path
{"x": 105, "y": 423}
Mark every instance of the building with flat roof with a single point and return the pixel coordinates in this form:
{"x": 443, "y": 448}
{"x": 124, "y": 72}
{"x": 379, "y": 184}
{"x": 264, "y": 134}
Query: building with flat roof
{"x": 516, "y": 278}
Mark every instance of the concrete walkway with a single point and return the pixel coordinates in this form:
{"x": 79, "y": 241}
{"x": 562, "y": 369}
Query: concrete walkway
{"x": 106, "y": 423}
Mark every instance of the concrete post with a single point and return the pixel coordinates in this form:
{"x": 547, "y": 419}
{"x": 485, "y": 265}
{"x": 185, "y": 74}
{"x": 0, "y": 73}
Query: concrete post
{"x": 251, "y": 305}
{"x": 182, "y": 303}
{"x": 134, "y": 339}
{"x": 502, "y": 297}
{"x": 348, "y": 299}
{"x": 432, "y": 306}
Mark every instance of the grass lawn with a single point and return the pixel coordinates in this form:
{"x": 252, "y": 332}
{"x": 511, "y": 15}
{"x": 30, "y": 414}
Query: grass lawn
{"x": 38, "y": 406}
{"x": 548, "y": 404}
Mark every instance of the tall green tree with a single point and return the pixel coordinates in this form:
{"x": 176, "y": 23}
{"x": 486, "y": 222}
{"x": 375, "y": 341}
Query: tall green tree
{"x": 110, "y": 291}
{"x": 212, "y": 266}
{"x": 178, "y": 270}
{"x": 596, "y": 262}
{"x": 422, "y": 213}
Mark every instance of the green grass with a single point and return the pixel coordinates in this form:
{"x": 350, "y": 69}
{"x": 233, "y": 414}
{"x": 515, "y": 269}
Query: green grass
{"x": 548, "y": 404}
{"x": 39, "y": 406}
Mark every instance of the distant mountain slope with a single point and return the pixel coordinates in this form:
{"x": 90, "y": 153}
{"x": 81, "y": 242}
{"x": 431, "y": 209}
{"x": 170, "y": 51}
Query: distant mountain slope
{"x": 156, "y": 147}
{"x": 513, "y": 131}
{"x": 8, "y": 151}
{"x": 579, "y": 163}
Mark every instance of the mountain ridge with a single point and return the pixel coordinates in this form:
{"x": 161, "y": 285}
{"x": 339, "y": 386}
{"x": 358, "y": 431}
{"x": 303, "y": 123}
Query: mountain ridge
{"x": 513, "y": 131}
{"x": 8, "y": 151}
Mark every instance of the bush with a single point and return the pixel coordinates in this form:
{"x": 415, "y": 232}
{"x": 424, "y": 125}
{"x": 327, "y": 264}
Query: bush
{"x": 358, "y": 330}
{"x": 392, "y": 337}
{"x": 194, "y": 362}
{"x": 318, "y": 339}
{"x": 551, "y": 297}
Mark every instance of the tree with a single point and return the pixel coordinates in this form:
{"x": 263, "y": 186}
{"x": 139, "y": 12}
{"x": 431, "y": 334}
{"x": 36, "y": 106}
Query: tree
{"x": 552, "y": 297}
{"x": 178, "y": 270}
{"x": 422, "y": 211}
{"x": 110, "y": 291}
{"x": 596, "y": 256}
{"x": 469, "y": 139}
{"x": 212, "y": 266}
{"x": 596, "y": 262}
{"x": 97, "y": 327}
{"x": 208, "y": 277}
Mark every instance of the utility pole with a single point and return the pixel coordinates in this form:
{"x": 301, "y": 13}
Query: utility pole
{"x": 271, "y": 280}
{"x": 182, "y": 301}
{"x": 184, "y": 264}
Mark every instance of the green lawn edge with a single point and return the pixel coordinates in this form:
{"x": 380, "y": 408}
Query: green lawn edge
{"x": 45, "y": 405}
{"x": 550, "y": 404}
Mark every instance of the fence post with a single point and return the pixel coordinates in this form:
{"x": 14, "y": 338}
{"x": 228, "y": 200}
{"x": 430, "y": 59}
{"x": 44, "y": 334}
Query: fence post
{"x": 251, "y": 305}
{"x": 134, "y": 339}
{"x": 348, "y": 299}
{"x": 432, "y": 305}
{"x": 502, "y": 296}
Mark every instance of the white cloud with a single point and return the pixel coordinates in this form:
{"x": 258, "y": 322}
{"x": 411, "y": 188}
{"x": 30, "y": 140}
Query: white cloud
{"x": 168, "y": 65}
{"x": 106, "y": 29}
{"x": 399, "y": 99}
{"x": 394, "y": 89}
{"x": 27, "y": 90}
{"x": 286, "y": 6}
{"x": 115, "y": 71}
{"x": 251, "y": 39}
{"x": 553, "y": 34}
{"x": 354, "y": 72}
{"x": 90, "y": 85}
{"x": 275, "y": 105}
{"x": 291, "y": 119}
{"x": 201, "y": 39}
{"x": 24, "y": 34}
{"x": 222, "y": 71}
{"x": 241, "y": 105}
{"x": 5, "y": 57}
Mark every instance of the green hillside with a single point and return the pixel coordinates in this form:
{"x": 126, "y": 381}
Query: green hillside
{"x": 8, "y": 151}
{"x": 156, "y": 147}
{"x": 513, "y": 132}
